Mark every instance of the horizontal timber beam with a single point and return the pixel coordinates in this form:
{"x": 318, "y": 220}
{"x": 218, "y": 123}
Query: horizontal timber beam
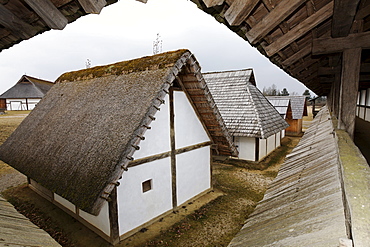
{"x": 273, "y": 19}
{"x": 212, "y": 3}
{"x": 334, "y": 45}
{"x": 49, "y": 13}
{"x": 301, "y": 29}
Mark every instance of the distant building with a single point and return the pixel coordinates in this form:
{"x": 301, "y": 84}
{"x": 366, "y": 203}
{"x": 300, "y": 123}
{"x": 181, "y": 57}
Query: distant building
{"x": 292, "y": 108}
{"x": 255, "y": 125}
{"x": 25, "y": 94}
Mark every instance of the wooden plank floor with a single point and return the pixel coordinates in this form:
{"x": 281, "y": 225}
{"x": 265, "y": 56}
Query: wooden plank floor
{"x": 303, "y": 206}
{"x": 17, "y": 230}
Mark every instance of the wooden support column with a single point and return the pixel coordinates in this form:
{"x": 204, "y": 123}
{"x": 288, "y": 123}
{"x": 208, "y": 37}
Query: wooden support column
{"x": 173, "y": 149}
{"x": 348, "y": 89}
{"x": 113, "y": 217}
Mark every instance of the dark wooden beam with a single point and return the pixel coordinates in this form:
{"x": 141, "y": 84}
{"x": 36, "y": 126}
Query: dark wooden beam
{"x": 343, "y": 16}
{"x": 49, "y": 13}
{"x": 328, "y": 70}
{"x": 296, "y": 56}
{"x": 93, "y": 6}
{"x": 349, "y": 88}
{"x": 334, "y": 45}
{"x": 362, "y": 13}
{"x": 15, "y": 24}
{"x": 273, "y": 19}
{"x": 365, "y": 67}
{"x": 239, "y": 11}
{"x": 301, "y": 29}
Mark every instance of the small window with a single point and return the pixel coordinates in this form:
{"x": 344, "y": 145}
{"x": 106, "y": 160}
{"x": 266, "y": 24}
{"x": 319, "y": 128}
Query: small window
{"x": 147, "y": 185}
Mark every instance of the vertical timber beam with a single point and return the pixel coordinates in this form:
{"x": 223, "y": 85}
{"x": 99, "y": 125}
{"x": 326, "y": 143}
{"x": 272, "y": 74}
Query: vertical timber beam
{"x": 173, "y": 149}
{"x": 348, "y": 89}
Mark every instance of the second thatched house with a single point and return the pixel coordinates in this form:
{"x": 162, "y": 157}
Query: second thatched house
{"x": 256, "y": 127}
{"x": 293, "y": 108}
{"x": 121, "y": 145}
{"x": 25, "y": 94}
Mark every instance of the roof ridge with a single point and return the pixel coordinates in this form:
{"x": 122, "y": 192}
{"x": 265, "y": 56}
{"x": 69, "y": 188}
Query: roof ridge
{"x": 262, "y": 133}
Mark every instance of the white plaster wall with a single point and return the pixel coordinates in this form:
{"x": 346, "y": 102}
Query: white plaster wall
{"x": 270, "y": 144}
{"x": 193, "y": 173}
{"x": 282, "y": 134}
{"x": 247, "y": 148}
{"x": 188, "y": 128}
{"x": 15, "y": 104}
{"x": 100, "y": 221}
{"x": 278, "y": 139}
{"x": 361, "y": 113}
{"x": 262, "y": 148}
{"x": 157, "y": 139}
{"x": 135, "y": 207}
{"x": 363, "y": 97}
{"x": 67, "y": 204}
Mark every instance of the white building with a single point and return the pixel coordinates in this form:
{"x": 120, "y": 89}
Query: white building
{"x": 256, "y": 126}
{"x": 120, "y": 146}
{"x": 25, "y": 94}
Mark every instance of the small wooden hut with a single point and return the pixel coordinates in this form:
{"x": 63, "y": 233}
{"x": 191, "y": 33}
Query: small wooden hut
{"x": 256, "y": 126}
{"x": 25, "y": 94}
{"x": 120, "y": 146}
{"x": 293, "y": 108}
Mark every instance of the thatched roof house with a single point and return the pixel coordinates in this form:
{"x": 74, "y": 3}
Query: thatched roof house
{"x": 82, "y": 136}
{"x": 26, "y": 93}
{"x": 246, "y": 112}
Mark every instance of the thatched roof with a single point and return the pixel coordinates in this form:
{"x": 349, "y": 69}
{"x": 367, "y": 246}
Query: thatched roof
{"x": 298, "y": 105}
{"x": 28, "y": 87}
{"x": 243, "y": 107}
{"x": 80, "y": 138}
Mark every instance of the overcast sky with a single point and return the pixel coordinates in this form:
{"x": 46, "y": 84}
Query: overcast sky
{"x": 126, "y": 30}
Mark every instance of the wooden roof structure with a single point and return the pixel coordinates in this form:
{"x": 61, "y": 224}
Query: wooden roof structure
{"x": 325, "y": 44}
{"x": 21, "y": 20}
{"x": 297, "y": 104}
{"x": 304, "y": 204}
{"x": 28, "y": 87}
{"x": 82, "y": 135}
{"x": 245, "y": 110}
{"x": 17, "y": 230}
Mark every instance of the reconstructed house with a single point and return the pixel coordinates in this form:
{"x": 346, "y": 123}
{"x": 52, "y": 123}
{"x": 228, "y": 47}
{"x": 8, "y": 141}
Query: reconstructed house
{"x": 256, "y": 127}
{"x": 293, "y": 108}
{"x": 25, "y": 94}
{"x": 121, "y": 145}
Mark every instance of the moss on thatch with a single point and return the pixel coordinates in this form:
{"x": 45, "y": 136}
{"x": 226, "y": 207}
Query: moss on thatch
{"x": 159, "y": 61}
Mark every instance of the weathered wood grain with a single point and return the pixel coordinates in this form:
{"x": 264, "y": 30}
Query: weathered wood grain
{"x": 49, "y": 13}
{"x": 91, "y": 6}
{"x": 343, "y": 16}
{"x": 239, "y": 11}
{"x": 301, "y": 29}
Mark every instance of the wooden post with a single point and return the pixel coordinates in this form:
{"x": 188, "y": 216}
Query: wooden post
{"x": 173, "y": 149}
{"x": 113, "y": 217}
{"x": 350, "y": 76}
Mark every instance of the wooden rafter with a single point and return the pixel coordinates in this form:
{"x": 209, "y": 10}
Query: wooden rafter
{"x": 239, "y": 11}
{"x": 212, "y": 3}
{"x": 301, "y": 29}
{"x": 49, "y": 13}
{"x": 325, "y": 45}
{"x": 94, "y": 6}
{"x": 343, "y": 16}
{"x": 14, "y": 24}
{"x": 296, "y": 56}
{"x": 269, "y": 22}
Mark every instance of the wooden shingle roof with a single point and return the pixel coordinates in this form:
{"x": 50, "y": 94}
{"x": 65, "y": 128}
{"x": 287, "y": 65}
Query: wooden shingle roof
{"x": 298, "y": 105}
{"x": 28, "y": 87}
{"x": 243, "y": 107}
{"x": 81, "y": 137}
